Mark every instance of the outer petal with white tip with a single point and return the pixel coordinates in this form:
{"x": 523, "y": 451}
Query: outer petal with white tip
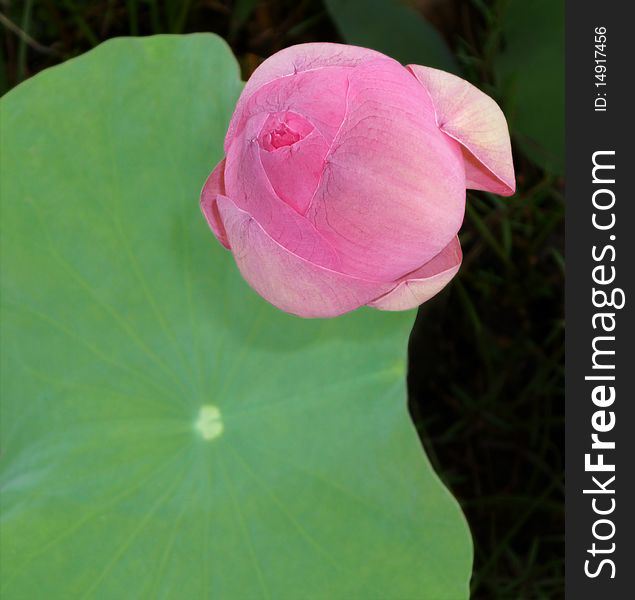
{"x": 472, "y": 118}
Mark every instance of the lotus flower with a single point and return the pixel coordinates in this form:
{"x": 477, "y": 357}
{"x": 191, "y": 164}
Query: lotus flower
{"x": 344, "y": 178}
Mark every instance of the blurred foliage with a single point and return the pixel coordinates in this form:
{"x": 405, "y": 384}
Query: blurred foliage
{"x": 486, "y": 356}
{"x": 530, "y": 70}
{"x": 398, "y": 32}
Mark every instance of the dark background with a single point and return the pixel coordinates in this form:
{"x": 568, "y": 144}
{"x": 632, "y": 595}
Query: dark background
{"x": 486, "y": 374}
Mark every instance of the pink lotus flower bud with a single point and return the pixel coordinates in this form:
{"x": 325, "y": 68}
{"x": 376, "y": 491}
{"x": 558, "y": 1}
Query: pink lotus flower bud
{"x": 344, "y": 177}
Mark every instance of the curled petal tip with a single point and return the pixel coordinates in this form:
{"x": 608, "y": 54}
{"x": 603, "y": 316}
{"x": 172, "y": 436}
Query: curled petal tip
{"x": 473, "y": 119}
{"x": 424, "y": 283}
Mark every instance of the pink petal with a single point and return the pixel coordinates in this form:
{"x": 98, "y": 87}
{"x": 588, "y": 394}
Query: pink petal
{"x": 247, "y": 184}
{"x": 318, "y": 96}
{"x": 472, "y": 118}
{"x": 393, "y": 191}
{"x": 293, "y": 166}
{"x": 295, "y": 60}
{"x": 286, "y": 280}
{"x": 419, "y": 286}
{"x": 214, "y": 186}
{"x": 308, "y": 57}
{"x": 283, "y": 129}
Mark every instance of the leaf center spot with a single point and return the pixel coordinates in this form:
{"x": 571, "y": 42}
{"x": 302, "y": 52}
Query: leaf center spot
{"x": 209, "y": 423}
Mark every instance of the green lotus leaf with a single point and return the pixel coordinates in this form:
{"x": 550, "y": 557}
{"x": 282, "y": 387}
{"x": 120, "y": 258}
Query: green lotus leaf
{"x": 165, "y": 432}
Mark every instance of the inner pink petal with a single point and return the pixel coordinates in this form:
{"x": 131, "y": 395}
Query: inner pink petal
{"x": 318, "y": 95}
{"x": 248, "y": 185}
{"x": 291, "y": 62}
{"x": 292, "y": 154}
{"x": 283, "y": 129}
